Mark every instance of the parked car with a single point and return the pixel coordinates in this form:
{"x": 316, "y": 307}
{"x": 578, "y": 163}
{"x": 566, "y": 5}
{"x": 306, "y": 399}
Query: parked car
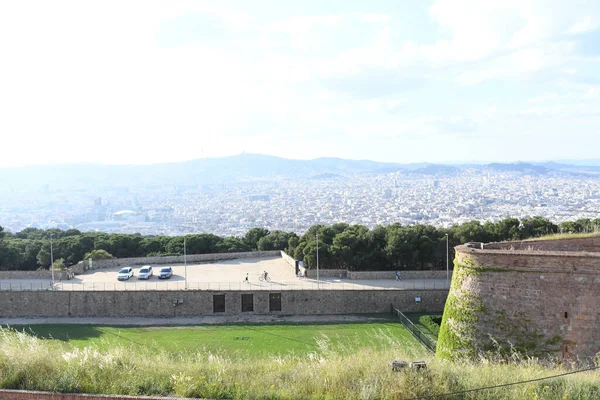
{"x": 125, "y": 273}
{"x": 165, "y": 273}
{"x": 145, "y": 272}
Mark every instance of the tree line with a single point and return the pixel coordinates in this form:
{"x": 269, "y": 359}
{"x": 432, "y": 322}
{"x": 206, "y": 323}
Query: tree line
{"x": 341, "y": 245}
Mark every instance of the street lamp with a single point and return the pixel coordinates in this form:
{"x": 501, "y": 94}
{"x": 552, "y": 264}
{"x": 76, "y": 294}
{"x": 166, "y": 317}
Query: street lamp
{"x": 184, "y": 263}
{"x": 447, "y": 263}
{"x": 318, "y": 260}
{"x": 52, "y": 261}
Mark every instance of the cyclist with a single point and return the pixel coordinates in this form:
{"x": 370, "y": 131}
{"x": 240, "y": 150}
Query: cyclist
{"x": 266, "y": 275}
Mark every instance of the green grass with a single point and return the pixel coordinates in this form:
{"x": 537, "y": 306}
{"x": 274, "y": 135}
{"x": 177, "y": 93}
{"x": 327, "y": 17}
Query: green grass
{"x": 424, "y": 323}
{"x": 238, "y": 340}
{"x": 558, "y": 236}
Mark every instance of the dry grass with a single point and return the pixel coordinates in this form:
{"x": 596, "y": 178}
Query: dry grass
{"x": 331, "y": 372}
{"x": 559, "y": 236}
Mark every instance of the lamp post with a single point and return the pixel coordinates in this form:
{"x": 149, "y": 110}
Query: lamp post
{"x": 52, "y": 261}
{"x": 318, "y": 287}
{"x": 447, "y": 263}
{"x": 185, "y": 263}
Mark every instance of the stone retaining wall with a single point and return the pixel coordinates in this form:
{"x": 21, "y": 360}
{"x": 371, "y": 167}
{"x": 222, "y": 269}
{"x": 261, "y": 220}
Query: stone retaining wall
{"x": 46, "y": 275}
{"x": 376, "y": 275}
{"x": 166, "y": 304}
{"x": 288, "y": 259}
{"x": 326, "y": 273}
{"x": 191, "y": 258}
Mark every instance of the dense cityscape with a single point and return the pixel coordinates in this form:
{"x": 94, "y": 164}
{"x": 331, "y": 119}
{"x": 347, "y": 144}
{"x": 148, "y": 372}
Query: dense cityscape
{"x": 293, "y": 205}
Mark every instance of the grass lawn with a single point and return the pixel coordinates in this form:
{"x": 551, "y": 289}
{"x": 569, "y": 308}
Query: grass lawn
{"x": 239, "y": 340}
{"x": 414, "y": 318}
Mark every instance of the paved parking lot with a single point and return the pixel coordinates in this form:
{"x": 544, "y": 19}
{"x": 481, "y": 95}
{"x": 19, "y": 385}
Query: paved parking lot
{"x": 222, "y": 275}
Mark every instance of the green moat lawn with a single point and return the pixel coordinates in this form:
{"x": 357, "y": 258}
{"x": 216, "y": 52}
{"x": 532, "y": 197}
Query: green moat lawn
{"x": 238, "y": 339}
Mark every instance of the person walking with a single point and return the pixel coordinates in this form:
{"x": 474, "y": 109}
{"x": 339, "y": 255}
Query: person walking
{"x": 398, "y": 277}
{"x": 246, "y": 280}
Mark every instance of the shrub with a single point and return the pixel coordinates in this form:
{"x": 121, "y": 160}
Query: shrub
{"x": 431, "y": 322}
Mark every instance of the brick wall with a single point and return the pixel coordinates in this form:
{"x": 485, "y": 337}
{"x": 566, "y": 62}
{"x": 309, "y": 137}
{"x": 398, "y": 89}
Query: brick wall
{"x": 160, "y": 304}
{"x": 547, "y": 301}
{"x": 192, "y": 258}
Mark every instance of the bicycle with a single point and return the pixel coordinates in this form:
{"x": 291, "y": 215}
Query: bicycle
{"x": 264, "y": 277}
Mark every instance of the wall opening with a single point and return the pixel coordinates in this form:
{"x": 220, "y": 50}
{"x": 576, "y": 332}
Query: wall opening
{"x": 247, "y": 302}
{"x": 274, "y": 301}
{"x": 218, "y": 303}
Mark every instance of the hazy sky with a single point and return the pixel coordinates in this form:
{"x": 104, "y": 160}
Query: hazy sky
{"x": 405, "y": 81}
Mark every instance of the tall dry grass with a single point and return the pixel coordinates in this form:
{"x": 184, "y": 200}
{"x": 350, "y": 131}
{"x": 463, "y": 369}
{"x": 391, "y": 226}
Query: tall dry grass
{"x": 332, "y": 372}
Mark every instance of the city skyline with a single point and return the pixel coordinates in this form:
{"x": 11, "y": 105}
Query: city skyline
{"x": 439, "y": 81}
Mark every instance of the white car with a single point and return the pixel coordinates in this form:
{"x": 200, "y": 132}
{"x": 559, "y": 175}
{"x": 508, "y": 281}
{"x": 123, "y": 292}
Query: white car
{"x": 145, "y": 272}
{"x": 125, "y": 273}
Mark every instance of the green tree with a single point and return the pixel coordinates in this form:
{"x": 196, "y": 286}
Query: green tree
{"x": 276, "y": 240}
{"x": 59, "y": 264}
{"x": 508, "y": 229}
{"x": 154, "y": 245}
{"x": 43, "y": 256}
{"x": 567, "y": 227}
{"x": 537, "y": 226}
{"x": 471, "y": 231}
{"x": 10, "y": 255}
{"x": 97, "y": 255}
{"x": 232, "y": 245}
{"x": 254, "y": 235}
{"x": 293, "y": 241}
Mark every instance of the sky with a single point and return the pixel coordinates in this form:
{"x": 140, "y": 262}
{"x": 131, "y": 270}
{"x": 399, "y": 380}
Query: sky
{"x": 143, "y": 81}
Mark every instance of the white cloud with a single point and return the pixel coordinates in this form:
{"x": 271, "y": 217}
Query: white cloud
{"x": 519, "y": 64}
{"x": 85, "y": 81}
{"x": 586, "y": 24}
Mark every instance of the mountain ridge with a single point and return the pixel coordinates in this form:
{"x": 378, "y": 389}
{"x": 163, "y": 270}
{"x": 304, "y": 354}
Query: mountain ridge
{"x": 247, "y": 167}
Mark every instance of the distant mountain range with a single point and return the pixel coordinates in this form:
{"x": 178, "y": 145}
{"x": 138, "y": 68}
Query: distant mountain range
{"x": 245, "y": 167}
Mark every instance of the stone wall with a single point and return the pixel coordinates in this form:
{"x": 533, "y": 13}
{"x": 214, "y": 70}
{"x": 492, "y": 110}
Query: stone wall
{"x": 192, "y": 258}
{"x": 290, "y": 260}
{"x": 44, "y": 274}
{"x": 378, "y": 275}
{"x": 166, "y": 304}
{"x": 542, "y": 302}
{"x": 326, "y": 273}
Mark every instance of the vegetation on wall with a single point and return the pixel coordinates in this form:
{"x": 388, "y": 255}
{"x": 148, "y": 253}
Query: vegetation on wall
{"x": 344, "y": 246}
{"x": 464, "y": 310}
{"x": 457, "y": 338}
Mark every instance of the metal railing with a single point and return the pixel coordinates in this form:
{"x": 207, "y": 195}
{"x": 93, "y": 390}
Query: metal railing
{"x": 422, "y": 337}
{"x": 222, "y": 286}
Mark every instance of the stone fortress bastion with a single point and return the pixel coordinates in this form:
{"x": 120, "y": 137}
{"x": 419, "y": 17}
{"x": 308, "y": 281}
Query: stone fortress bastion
{"x": 541, "y": 298}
